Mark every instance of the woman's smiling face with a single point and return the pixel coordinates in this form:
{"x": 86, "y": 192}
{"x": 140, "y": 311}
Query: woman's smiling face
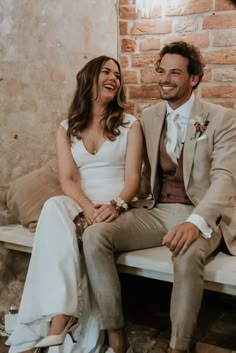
{"x": 108, "y": 82}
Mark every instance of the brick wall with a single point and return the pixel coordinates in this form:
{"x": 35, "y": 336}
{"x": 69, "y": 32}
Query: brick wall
{"x": 209, "y": 24}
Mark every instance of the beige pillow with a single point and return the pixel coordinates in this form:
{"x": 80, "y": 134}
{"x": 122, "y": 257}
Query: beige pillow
{"x": 26, "y": 195}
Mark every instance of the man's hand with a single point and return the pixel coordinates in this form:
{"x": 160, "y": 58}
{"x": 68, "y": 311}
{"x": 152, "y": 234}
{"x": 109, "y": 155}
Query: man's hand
{"x": 181, "y": 237}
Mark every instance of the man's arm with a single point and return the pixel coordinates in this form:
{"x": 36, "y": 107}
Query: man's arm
{"x": 221, "y": 189}
{"x": 222, "y": 172}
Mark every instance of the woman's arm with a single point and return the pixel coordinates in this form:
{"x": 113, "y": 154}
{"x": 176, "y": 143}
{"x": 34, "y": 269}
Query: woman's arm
{"x": 68, "y": 175}
{"x": 133, "y": 165}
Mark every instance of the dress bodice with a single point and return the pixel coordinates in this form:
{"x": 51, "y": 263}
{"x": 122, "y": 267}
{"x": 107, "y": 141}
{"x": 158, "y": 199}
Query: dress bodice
{"x": 102, "y": 174}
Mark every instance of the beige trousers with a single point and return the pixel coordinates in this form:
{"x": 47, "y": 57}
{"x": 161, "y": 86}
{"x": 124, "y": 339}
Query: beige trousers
{"x": 139, "y": 229}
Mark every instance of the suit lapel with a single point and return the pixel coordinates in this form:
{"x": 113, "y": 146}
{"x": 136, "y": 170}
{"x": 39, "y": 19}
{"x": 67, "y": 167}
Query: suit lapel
{"x": 157, "y": 124}
{"x": 191, "y": 140}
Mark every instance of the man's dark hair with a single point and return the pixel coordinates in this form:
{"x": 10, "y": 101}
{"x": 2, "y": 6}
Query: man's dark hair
{"x": 188, "y": 51}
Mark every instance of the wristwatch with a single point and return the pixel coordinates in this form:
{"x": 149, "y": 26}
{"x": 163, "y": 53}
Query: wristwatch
{"x": 120, "y": 205}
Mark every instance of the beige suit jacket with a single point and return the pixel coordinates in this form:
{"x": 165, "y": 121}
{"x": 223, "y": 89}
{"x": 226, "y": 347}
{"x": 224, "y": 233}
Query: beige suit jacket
{"x": 209, "y": 164}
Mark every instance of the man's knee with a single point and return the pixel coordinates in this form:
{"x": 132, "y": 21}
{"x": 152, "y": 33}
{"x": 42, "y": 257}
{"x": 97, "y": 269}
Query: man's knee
{"x": 191, "y": 262}
{"x": 95, "y": 238}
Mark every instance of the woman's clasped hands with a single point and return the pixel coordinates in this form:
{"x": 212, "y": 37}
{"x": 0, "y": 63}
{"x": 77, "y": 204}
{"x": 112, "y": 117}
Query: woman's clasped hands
{"x": 100, "y": 213}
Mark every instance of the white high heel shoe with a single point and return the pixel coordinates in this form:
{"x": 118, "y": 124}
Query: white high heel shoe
{"x": 57, "y": 340}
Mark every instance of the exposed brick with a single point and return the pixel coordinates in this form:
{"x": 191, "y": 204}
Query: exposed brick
{"x": 143, "y": 92}
{"x": 123, "y": 2}
{"x": 144, "y": 60}
{"x": 219, "y": 77}
{"x": 123, "y": 28}
{"x": 228, "y": 91}
{"x": 224, "y": 75}
{"x": 207, "y": 75}
{"x": 223, "y": 5}
{"x": 124, "y": 61}
{"x": 226, "y": 38}
{"x": 128, "y": 13}
{"x": 151, "y": 27}
{"x": 150, "y": 44}
{"x": 191, "y": 7}
{"x": 227, "y": 56}
{"x": 148, "y": 76}
{"x": 199, "y": 39}
{"x": 129, "y": 107}
{"x": 186, "y": 24}
{"x": 130, "y": 76}
{"x": 128, "y": 45}
{"x": 219, "y": 21}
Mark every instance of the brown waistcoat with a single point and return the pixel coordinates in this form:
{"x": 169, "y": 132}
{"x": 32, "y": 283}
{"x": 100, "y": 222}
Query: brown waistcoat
{"x": 171, "y": 179}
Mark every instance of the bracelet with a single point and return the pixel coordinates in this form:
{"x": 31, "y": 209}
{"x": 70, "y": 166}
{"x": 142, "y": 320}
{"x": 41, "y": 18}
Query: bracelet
{"x": 120, "y": 205}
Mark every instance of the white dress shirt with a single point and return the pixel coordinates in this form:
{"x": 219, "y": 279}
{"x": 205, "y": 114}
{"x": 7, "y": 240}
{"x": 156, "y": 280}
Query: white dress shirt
{"x": 184, "y": 112}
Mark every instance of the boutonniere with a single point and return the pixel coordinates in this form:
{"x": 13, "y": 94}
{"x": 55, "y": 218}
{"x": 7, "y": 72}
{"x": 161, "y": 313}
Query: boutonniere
{"x": 200, "y": 122}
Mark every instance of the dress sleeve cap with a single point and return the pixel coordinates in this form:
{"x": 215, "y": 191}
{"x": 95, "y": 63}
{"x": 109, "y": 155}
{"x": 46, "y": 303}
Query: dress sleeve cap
{"x": 129, "y": 119}
{"x": 64, "y": 123}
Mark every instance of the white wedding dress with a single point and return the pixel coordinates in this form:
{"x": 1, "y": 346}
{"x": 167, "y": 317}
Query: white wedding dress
{"x": 57, "y": 282}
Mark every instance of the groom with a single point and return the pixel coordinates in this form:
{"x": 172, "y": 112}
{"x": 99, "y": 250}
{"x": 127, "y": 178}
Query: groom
{"x": 190, "y": 170}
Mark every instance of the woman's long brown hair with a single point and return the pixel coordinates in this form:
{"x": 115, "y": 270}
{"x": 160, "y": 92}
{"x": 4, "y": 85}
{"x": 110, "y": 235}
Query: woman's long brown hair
{"x": 80, "y": 111}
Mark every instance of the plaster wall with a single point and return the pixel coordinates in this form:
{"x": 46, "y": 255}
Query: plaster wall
{"x": 43, "y": 44}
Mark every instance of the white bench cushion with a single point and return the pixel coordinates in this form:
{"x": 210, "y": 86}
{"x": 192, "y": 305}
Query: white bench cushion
{"x": 220, "y": 268}
{"x": 17, "y": 237}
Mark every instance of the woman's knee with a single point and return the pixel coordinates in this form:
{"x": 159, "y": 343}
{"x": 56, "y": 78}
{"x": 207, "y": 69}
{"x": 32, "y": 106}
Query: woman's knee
{"x": 55, "y": 201}
{"x": 60, "y": 204}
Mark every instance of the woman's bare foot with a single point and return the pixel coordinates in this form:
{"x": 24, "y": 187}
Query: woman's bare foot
{"x": 117, "y": 340}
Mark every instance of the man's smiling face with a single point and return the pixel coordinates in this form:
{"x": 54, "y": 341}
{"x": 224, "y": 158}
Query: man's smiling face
{"x": 175, "y": 83}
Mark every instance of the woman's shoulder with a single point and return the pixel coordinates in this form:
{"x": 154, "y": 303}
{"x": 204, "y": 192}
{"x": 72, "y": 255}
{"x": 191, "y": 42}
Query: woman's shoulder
{"x": 129, "y": 119}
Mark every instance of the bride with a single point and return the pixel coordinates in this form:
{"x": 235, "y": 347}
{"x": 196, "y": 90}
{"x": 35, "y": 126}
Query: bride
{"x": 102, "y": 146}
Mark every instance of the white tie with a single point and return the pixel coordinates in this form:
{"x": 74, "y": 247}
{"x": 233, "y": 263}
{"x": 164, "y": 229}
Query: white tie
{"x": 173, "y": 137}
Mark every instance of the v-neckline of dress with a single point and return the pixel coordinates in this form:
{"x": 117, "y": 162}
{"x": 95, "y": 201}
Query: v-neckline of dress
{"x": 96, "y": 151}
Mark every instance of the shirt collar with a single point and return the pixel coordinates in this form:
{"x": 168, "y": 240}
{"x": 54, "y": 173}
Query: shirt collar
{"x": 184, "y": 110}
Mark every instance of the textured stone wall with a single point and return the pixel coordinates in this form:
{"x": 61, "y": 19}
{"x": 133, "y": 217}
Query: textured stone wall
{"x": 209, "y": 24}
{"x": 42, "y": 46}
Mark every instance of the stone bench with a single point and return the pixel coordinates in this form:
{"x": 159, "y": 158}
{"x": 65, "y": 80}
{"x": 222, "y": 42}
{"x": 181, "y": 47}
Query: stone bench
{"x": 220, "y": 271}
